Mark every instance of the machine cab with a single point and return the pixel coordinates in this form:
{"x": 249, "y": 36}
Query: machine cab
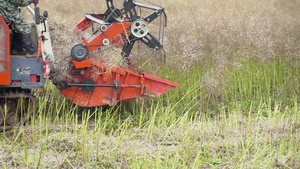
{"x": 19, "y": 71}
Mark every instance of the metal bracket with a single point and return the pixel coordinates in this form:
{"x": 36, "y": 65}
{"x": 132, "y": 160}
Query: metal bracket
{"x": 129, "y": 10}
{"x": 109, "y": 3}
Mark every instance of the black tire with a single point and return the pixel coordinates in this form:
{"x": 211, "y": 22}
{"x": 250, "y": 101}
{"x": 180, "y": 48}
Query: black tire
{"x": 79, "y": 52}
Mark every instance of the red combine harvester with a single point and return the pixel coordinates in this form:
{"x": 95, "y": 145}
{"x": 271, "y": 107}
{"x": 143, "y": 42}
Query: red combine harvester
{"x": 89, "y": 82}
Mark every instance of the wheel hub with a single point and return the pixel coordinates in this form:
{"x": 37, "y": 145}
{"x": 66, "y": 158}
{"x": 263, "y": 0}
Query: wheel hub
{"x": 139, "y": 28}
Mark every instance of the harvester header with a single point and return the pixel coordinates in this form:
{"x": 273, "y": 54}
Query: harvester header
{"x": 89, "y": 81}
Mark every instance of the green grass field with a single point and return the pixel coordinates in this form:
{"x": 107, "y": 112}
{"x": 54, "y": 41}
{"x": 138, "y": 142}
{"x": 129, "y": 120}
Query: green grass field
{"x": 238, "y": 106}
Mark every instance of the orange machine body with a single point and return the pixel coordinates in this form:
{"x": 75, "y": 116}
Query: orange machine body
{"x": 112, "y": 32}
{"x": 110, "y": 85}
{"x": 90, "y": 83}
{"x": 4, "y": 53}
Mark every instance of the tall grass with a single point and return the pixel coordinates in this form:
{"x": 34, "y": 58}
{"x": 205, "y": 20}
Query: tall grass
{"x": 251, "y": 123}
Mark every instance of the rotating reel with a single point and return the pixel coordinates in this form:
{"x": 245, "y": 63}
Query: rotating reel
{"x": 117, "y": 21}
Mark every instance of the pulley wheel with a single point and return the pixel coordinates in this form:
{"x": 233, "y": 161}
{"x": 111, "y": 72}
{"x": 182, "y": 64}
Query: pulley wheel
{"x": 103, "y": 28}
{"x": 63, "y": 85}
{"x": 105, "y": 42}
{"x": 79, "y": 52}
{"x": 139, "y": 28}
